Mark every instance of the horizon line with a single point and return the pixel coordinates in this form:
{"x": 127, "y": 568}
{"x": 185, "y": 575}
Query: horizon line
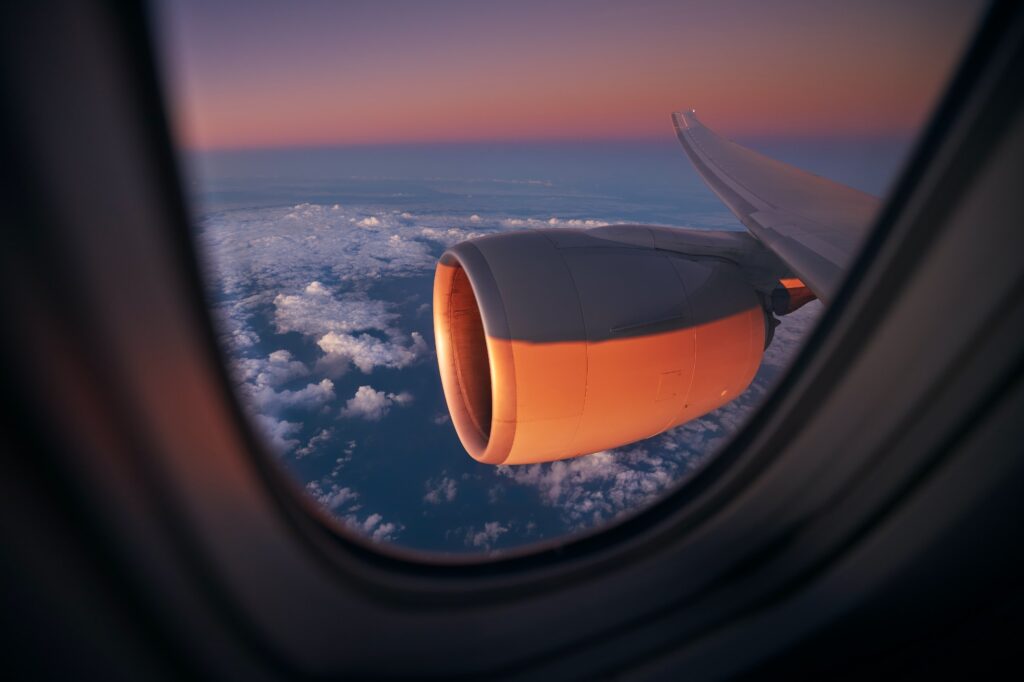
{"x": 452, "y": 142}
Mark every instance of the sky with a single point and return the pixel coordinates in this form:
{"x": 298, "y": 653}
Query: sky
{"x": 259, "y": 74}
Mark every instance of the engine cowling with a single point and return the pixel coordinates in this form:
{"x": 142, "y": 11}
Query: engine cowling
{"x": 558, "y": 343}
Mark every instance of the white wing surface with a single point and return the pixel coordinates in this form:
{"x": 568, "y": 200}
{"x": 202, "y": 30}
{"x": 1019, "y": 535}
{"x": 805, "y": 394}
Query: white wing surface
{"x": 813, "y": 224}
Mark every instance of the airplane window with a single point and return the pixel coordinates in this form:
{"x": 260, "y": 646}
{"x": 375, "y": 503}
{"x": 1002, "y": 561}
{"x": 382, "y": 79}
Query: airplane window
{"x": 481, "y": 275}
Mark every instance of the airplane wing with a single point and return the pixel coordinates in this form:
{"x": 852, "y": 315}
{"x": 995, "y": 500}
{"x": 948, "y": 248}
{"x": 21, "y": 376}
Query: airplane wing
{"x": 813, "y": 224}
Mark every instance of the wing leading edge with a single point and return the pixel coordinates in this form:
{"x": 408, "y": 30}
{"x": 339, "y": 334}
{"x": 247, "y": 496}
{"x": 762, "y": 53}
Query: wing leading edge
{"x": 813, "y": 224}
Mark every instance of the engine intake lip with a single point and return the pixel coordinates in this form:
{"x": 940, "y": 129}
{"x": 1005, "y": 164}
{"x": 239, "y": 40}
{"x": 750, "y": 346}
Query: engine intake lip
{"x": 476, "y": 368}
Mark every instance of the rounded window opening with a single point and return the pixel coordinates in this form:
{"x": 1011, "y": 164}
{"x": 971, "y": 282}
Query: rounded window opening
{"x": 332, "y": 166}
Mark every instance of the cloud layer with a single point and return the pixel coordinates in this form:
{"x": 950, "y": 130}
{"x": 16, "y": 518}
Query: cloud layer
{"x": 305, "y": 297}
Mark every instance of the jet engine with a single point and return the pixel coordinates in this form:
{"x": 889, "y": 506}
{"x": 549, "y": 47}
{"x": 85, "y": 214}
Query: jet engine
{"x": 557, "y": 343}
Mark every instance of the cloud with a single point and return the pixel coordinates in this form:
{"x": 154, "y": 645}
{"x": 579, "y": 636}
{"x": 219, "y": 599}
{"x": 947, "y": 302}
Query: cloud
{"x": 231, "y": 318}
{"x": 375, "y": 527}
{"x": 487, "y": 536}
{"x": 592, "y": 489}
{"x": 257, "y": 381}
{"x": 271, "y": 250}
{"x": 402, "y": 399}
{"x": 334, "y": 498}
{"x": 327, "y": 484}
{"x": 790, "y": 334}
{"x": 276, "y": 369}
{"x": 268, "y": 401}
{"x": 314, "y": 443}
{"x": 315, "y": 312}
{"x": 277, "y": 433}
{"x": 449, "y": 236}
{"x": 275, "y": 248}
{"x": 239, "y": 339}
{"x": 441, "y": 490}
{"x": 342, "y": 501}
{"x": 367, "y": 352}
{"x": 520, "y": 223}
{"x": 373, "y": 405}
{"x": 575, "y": 222}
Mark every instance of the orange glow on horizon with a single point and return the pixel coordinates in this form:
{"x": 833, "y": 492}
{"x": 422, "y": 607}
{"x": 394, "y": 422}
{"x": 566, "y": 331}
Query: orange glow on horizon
{"x": 360, "y": 74}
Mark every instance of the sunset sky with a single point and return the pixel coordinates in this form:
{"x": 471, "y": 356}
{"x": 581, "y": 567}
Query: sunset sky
{"x": 256, "y": 74}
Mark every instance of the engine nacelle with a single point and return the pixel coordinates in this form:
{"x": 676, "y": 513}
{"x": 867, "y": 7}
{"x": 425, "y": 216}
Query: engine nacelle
{"x": 557, "y": 343}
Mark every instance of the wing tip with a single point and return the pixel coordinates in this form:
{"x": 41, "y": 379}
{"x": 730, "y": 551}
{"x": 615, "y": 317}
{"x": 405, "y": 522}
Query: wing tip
{"x": 687, "y": 118}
